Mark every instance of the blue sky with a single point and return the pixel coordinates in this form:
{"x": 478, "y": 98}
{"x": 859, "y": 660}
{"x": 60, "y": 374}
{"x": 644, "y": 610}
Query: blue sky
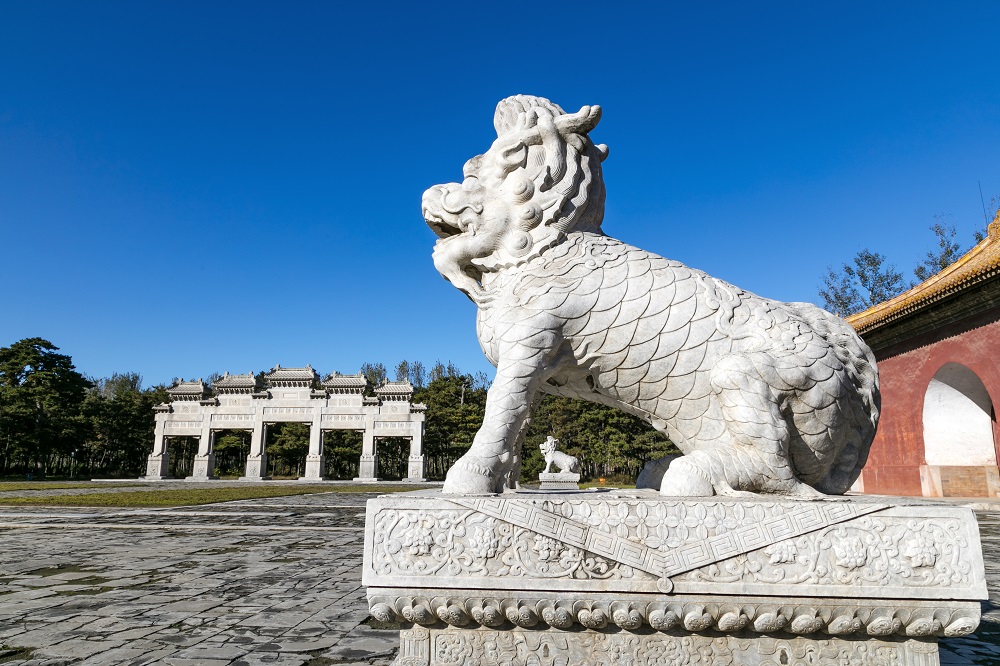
{"x": 190, "y": 187}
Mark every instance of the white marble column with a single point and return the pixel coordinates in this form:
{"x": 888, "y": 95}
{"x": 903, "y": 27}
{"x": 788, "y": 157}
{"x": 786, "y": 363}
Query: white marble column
{"x": 158, "y": 464}
{"x": 415, "y": 465}
{"x": 204, "y": 460}
{"x": 257, "y": 460}
{"x": 366, "y": 469}
{"x": 315, "y": 460}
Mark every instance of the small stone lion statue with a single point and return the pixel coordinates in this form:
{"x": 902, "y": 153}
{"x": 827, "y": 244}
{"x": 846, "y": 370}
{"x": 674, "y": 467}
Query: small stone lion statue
{"x": 564, "y": 461}
{"x": 761, "y": 396}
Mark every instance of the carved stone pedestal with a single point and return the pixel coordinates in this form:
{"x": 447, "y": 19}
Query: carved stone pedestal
{"x": 558, "y": 481}
{"x": 451, "y": 646}
{"x": 568, "y": 579}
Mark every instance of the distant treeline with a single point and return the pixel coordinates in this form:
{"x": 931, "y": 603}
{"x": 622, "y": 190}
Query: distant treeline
{"x": 55, "y": 422}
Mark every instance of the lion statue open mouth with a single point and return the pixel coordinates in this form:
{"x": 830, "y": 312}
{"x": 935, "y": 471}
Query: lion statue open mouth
{"x": 761, "y": 396}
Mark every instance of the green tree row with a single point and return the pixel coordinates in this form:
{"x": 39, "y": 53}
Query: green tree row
{"x": 54, "y": 421}
{"x": 869, "y": 279}
{"x": 609, "y": 443}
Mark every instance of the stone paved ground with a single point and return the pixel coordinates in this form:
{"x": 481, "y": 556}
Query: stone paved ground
{"x": 269, "y": 581}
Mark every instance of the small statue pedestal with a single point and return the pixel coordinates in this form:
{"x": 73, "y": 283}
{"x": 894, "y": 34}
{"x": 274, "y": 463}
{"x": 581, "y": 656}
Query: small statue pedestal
{"x": 632, "y": 577}
{"x": 558, "y": 481}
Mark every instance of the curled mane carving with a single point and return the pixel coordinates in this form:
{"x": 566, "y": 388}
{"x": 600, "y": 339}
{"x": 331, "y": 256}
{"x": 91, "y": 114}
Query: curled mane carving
{"x": 540, "y": 179}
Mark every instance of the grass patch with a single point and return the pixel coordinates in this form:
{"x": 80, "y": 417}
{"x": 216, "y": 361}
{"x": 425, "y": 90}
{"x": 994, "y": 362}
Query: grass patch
{"x": 89, "y": 580}
{"x": 218, "y": 551}
{"x": 195, "y": 496}
{"x": 597, "y": 484}
{"x": 55, "y": 485}
{"x": 90, "y": 591}
{"x": 14, "y": 653}
{"x": 315, "y": 661}
{"x": 52, "y": 571}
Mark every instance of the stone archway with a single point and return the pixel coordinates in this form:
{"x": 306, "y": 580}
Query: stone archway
{"x": 958, "y": 422}
{"x": 288, "y": 396}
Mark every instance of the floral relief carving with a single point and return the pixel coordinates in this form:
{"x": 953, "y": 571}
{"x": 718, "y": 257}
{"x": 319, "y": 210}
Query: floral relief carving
{"x": 781, "y": 553}
{"x": 468, "y": 543}
{"x": 867, "y": 551}
{"x": 543, "y": 649}
{"x": 435, "y": 542}
{"x": 484, "y": 543}
{"x": 547, "y": 548}
{"x": 908, "y": 552}
{"x": 517, "y": 648}
{"x": 543, "y": 557}
{"x": 417, "y": 541}
{"x": 921, "y": 551}
{"x": 852, "y": 553}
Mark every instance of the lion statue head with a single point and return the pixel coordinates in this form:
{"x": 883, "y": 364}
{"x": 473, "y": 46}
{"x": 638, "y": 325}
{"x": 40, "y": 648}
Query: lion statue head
{"x": 549, "y": 445}
{"x": 540, "y": 179}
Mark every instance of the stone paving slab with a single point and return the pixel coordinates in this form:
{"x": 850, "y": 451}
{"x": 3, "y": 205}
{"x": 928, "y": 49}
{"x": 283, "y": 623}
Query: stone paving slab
{"x": 275, "y": 581}
{"x": 244, "y": 583}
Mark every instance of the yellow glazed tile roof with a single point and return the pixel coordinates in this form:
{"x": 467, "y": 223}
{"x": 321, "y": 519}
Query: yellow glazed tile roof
{"x": 979, "y": 263}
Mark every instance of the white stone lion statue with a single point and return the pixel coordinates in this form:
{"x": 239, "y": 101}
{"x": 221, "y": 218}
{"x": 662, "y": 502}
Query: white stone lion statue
{"x": 553, "y": 456}
{"x": 761, "y": 396}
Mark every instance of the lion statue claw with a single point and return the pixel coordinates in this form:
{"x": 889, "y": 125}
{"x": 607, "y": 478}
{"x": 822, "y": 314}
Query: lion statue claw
{"x": 761, "y": 396}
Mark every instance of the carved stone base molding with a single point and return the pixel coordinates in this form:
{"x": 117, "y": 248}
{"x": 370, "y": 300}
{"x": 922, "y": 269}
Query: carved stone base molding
{"x": 836, "y": 617}
{"x": 559, "y": 481}
{"x": 449, "y": 646}
{"x": 581, "y": 575}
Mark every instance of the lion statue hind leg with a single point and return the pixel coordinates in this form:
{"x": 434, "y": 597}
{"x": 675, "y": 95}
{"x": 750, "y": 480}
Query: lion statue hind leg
{"x": 755, "y": 457}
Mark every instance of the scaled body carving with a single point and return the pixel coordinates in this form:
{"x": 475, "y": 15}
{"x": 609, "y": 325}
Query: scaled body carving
{"x": 761, "y": 396}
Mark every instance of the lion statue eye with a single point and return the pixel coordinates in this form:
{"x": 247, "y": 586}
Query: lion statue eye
{"x": 471, "y": 183}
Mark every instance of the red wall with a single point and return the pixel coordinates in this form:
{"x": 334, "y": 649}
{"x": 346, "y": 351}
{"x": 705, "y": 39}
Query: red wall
{"x": 905, "y": 370}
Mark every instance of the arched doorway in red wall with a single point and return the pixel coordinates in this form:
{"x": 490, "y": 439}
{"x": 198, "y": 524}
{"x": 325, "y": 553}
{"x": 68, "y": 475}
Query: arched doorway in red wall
{"x": 958, "y": 423}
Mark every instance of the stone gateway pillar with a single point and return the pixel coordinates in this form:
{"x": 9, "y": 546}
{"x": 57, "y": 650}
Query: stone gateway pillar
{"x": 204, "y": 460}
{"x": 158, "y": 465}
{"x": 315, "y": 460}
{"x": 257, "y": 460}
{"x": 366, "y": 467}
{"x": 415, "y": 464}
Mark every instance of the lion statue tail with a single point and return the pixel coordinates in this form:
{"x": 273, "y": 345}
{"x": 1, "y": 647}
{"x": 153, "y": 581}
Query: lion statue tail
{"x": 861, "y": 405}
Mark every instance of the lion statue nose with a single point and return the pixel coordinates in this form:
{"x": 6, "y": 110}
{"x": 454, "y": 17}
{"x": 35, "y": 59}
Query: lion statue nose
{"x": 432, "y": 207}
